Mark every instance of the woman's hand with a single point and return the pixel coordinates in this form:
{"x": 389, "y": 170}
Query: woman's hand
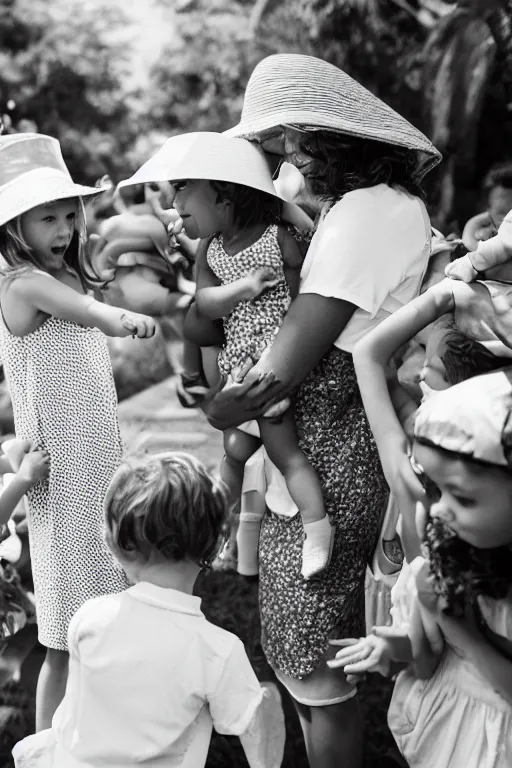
{"x": 242, "y": 399}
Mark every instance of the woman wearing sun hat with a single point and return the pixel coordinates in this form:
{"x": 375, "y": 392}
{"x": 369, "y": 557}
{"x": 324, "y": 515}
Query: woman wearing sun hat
{"x": 363, "y": 164}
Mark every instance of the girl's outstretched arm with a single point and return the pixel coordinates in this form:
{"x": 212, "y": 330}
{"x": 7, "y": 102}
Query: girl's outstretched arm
{"x": 48, "y": 295}
{"x": 372, "y": 357}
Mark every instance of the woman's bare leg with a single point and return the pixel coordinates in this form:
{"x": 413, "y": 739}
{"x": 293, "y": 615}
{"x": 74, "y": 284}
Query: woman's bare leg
{"x": 51, "y": 686}
{"x": 333, "y": 735}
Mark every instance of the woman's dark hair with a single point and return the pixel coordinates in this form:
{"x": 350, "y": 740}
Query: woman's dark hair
{"x": 345, "y": 163}
{"x": 462, "y": 572}
{"x": 166, "y": 503}
{"x": 464, "y": 358}
{"x": 251, "y": 206}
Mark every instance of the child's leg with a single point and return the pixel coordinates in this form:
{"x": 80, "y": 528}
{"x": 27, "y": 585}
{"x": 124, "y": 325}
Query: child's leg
{"x": 51, "y": 686}
{"x": 248, "y": 534}
{"x": 201, "y": 330}
{"x": 282, "y": 445}
{"x": 238, "y": 447}
{"x": 192, "y": 360}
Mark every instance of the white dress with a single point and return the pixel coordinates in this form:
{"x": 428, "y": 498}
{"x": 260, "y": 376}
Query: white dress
{"x": 454, "y": 719}
{"x": 63, "y": 395}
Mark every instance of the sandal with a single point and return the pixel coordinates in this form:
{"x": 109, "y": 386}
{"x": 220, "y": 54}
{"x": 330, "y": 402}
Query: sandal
{"x": 191, "y": 389}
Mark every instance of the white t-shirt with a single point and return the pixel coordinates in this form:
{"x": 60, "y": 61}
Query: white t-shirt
{"x": 149, "y": 676}
{"x": 371, "y": 250}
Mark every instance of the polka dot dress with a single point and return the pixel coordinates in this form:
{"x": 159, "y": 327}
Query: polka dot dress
{"x": 63, "y": 395}
{"x": 252, "y": 325}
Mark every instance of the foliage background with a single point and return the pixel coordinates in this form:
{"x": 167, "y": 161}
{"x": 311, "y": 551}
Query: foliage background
{"x": 112, "y": 78}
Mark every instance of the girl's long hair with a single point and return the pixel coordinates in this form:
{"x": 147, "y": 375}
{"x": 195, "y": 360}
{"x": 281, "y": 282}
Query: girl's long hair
{"x": 17, "y": 257}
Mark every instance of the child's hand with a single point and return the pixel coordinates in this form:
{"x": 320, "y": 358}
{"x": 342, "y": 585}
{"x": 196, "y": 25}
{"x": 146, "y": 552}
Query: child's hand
{"x": 16, "y": 449}
{"x": 35, "y": 467}
{"x": 368, "y": 654}
{"x": 401, "y": 478}
{"x": 261, "y": 279}
{"x": 142, "y": 326}
{"x": 175, "y": 226}
{"x": 461, "y": 269}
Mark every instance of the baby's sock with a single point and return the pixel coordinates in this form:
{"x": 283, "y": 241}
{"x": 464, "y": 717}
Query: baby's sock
{"x": 316, "y": 550}
{"x": 248, "y": 538}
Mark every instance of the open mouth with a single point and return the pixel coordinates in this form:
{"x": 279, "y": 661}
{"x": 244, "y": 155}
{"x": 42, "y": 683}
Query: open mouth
{"x": 59, "y": 250}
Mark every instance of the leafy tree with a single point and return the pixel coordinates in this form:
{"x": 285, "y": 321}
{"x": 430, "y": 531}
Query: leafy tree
{"x": 61, "y": 67}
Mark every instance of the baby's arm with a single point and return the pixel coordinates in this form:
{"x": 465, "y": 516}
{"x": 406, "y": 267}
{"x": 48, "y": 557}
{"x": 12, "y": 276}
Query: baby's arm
{"x": 372, "y": 356}
{"x": 215, "y": 300}
{"x": 48, "y": 295}
{"x": 292, "y": 258}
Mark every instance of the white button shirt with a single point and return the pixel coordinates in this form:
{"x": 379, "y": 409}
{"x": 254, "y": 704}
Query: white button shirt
{"x": 149, "y": 676}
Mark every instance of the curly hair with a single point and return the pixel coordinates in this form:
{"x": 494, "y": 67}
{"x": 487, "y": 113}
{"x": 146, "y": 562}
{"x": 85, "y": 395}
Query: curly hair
{"x": 165, "y": 503}
{"x": 345, "y": 163}
{"x": 464, "y": 358}
{"x": 19, "y": 257}
{"x": 251, "y": 206}
{"x": 462, "y": 572}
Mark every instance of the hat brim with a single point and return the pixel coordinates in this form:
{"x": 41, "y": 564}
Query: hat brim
{"x": 245, "y": 129}
{"x": 207, "y": 155}
{"x": 18, "y": 197}
{"x": 295, "y": 89}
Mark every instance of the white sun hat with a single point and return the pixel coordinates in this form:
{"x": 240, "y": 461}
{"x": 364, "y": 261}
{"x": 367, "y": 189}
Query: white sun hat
{"x": 473, "y": 419}
{"x": 32, "y": 173}
{"x": 215, "y": 157}
{"x": 293, "y": 89}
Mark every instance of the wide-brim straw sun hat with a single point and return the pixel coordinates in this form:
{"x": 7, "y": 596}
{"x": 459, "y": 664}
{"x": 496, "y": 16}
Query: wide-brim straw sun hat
{"x": 297, "y": 90}
{"x": 215, "y": 157}
{"x": 32, "y": 173}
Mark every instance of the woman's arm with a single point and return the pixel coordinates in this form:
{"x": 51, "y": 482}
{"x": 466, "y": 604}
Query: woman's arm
{"x": 215, "y": 300}
{"x": 310, "y": 328}
{"x": 48, "y": 295}
{"x": 292, "y": 258}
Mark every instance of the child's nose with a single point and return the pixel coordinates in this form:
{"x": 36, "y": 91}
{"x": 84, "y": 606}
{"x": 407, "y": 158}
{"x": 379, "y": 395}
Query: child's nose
{"x": 441, "y": 511}
{"x": 65, "y": 227}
